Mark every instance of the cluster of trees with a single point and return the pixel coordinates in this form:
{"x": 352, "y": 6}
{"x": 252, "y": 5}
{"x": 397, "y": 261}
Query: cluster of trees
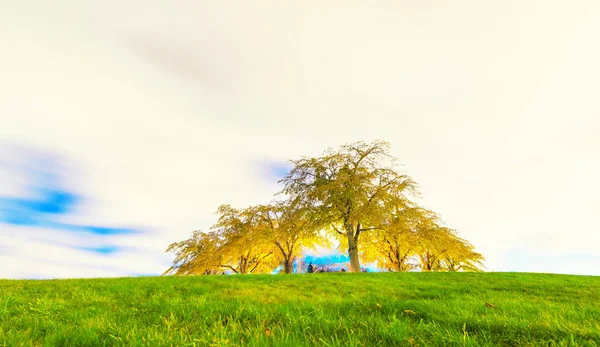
{"x": 353, "y": 194}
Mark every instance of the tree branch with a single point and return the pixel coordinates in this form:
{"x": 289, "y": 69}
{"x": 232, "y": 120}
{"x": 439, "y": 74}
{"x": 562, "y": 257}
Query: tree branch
{"x": 380, "y": 188}
{"x": 258, "y": 263}
{"x": 337, "y": 230}
{"x": 367, "y": 229}
{"x": 363, "y": 155}
{"x": 438, "y": 256}
{"x": 280, "y": 248}
{"x": 229, "y": 266}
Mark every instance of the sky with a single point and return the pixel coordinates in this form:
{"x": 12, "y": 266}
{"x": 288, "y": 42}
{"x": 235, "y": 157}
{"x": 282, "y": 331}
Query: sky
{"x": 125, "y": 123}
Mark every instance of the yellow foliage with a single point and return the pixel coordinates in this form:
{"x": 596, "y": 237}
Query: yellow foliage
{"x": 355, "y": 194}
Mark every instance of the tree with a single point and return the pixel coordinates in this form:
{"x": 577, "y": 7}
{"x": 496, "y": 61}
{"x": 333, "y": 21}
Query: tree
{"x": 461, "y": 256}
{"x": 289, "y": 226}
{"x": 245, "y": 249}
{"x": 393, "y": 245}
{"x": 348, "y": 190}
{"x": 197, "y": 255}
{"x": 357, "y": 195}
{"x": 434, "y": 241}
{"x": 233, "y": 243}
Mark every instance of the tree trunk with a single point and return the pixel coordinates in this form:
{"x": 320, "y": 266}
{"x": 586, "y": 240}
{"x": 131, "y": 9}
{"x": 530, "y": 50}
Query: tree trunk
{"x": 243, "y": 262}
{"x": 288, "y": 265}
{"x": 398, "y": 260}
{"x": 353, "y": 253}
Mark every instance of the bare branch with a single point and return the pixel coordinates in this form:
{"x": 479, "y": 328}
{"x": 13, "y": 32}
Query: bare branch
{"x": 258, "y": 263}
{"x": 337, "y": 230}
{"x": 231, "y": 267}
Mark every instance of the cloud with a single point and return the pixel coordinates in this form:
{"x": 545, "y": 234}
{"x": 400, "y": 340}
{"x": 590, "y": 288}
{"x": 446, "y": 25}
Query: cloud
{"x": 166, "y": 110}
{"x": 273, "y": 171}
{"x": 48, "y": 253}
{"x": 49, "y": 202}
{"x": 46, "y": 202}
{"x": 35, "y": 226}
{"x": 525, "y": 260}
{"x": 102, "y": 250}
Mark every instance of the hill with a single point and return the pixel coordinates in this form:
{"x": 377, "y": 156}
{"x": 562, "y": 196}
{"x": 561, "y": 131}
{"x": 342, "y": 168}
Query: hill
{"x": 330, "y": 309}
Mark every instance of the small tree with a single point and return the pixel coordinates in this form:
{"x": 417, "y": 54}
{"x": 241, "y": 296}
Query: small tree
{"x": 233, "y": 243}
{"x": 198, "y": 255}
{"x": 461, "y": 256}
{"x": 289, "y": 226}
{"x": 244, "y": 249}
{"x": 434, "y": 241}
{"x": 394, "y": 244}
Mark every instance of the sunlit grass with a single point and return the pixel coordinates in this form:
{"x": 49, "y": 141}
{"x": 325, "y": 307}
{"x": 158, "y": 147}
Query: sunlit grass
{"x": 336, "y": 309}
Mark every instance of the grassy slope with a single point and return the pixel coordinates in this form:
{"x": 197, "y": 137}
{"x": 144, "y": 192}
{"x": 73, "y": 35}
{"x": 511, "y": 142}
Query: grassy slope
{"x": 337, "y": 309}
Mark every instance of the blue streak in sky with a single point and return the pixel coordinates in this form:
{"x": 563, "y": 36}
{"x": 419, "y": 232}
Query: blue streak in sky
{"x": 276, "y": 170}
{"x": 101, "y": 250}
{"x": 51, "y": 202}
{"x": 38, "y": 212}
{"x": 45, "y": 203}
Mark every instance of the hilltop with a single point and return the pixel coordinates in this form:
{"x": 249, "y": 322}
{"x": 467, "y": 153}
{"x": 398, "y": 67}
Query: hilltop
{"x": 331, "y": 309}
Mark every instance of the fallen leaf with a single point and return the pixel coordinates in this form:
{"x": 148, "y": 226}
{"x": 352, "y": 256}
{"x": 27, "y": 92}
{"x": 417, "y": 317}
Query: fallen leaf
{"x": 268, "y": 332}
{"x": 487, "y": 304}
{"x": 409, "y": 311}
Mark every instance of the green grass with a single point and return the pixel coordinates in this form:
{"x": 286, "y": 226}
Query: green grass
{"x": 337, "y": 309}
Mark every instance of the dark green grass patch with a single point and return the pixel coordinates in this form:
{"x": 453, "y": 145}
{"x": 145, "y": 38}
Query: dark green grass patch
{"x": 331, "y": 309}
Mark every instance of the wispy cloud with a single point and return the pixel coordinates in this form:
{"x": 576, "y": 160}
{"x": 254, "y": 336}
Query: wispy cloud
{"x": 102, "y": 250}
{"x": 272, "y": 171}
{"x": 44, "y": 201}
{"x": 167, "y": 113}
{"x": 523, "y": 259}
{"x": 44, "y": 204}
{"x": 36, "y": 220}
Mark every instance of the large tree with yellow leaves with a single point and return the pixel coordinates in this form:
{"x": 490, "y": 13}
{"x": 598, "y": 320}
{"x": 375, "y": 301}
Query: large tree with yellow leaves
{"x": 349, "y": 190}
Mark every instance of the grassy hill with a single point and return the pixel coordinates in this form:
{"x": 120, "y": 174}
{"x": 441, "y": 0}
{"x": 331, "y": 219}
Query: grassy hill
{"x": 331, "y": 309}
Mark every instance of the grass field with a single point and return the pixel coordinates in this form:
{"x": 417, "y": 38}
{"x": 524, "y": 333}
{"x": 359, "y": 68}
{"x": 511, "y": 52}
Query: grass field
{"x": 336, "y": 309}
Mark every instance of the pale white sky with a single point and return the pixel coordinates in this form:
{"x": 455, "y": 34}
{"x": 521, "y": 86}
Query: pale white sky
{"x": 155, "y": 112}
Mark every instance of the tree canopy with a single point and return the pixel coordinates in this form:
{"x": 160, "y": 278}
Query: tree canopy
{"x": 355, "y": 194}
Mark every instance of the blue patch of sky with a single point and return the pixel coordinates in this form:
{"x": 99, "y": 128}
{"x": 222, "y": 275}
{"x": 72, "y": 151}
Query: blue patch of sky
{"x": 101, "y": 250}
{"x": 277, "y": 170}
{"x": 35, "y": 209}
{"x": 46, "y": 203}
{"x": 40, "y": 209}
